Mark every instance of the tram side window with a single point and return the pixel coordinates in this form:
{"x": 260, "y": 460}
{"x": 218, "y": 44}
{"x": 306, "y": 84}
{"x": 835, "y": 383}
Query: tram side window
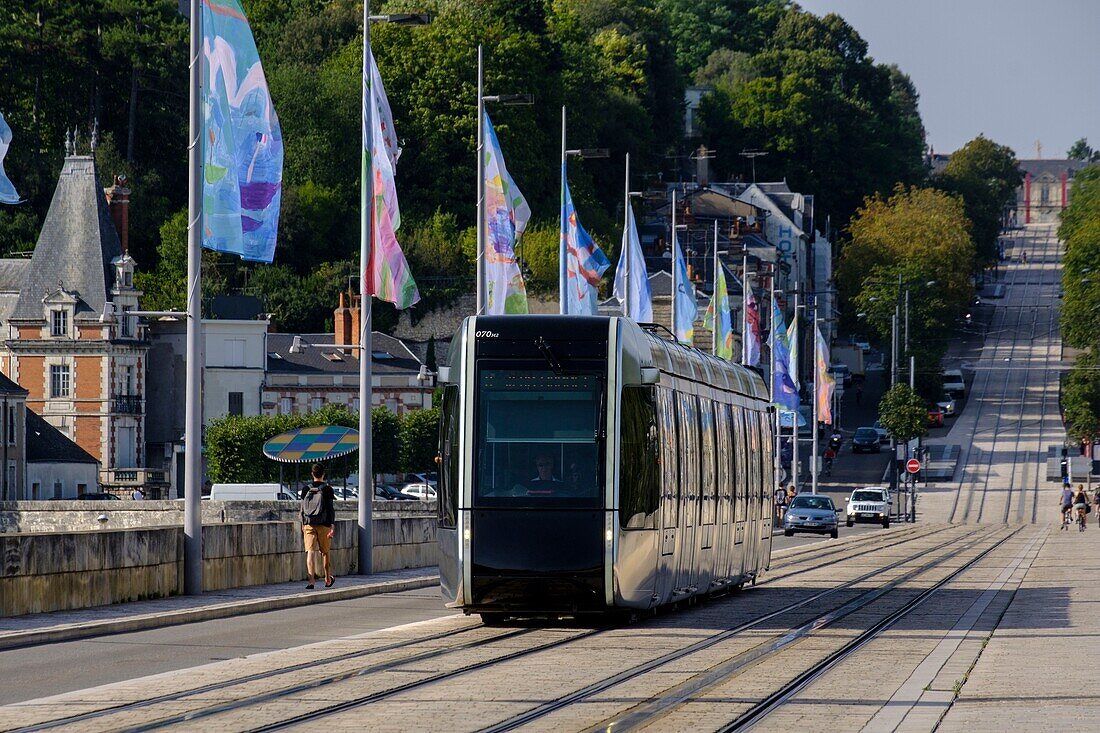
{"x": 640, "y": 478}
{"x": 448, "y": 470}
{"x": 743, "y": 471}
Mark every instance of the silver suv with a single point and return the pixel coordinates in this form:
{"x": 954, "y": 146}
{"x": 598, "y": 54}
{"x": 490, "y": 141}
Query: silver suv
{"x": 869, "y": 504}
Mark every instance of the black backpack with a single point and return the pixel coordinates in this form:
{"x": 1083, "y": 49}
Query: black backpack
{"x": 313, "y": 505}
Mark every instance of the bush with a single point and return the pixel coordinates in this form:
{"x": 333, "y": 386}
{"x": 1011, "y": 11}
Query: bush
{"x": 420, "y": 440}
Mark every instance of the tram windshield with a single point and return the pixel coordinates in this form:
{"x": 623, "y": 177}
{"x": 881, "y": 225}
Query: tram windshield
{"x": 537, "y": 437}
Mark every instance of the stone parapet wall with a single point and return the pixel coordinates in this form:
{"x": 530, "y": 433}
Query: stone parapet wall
{"x": 52, "y": 571}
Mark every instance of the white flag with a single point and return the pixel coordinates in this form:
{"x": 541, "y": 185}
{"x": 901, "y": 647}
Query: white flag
{"x": 632, "y": 265}
{"x": 8, "y": 194}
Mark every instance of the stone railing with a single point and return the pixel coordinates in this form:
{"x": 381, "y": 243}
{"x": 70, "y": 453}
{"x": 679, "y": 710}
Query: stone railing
{"x": 57, "y": 570}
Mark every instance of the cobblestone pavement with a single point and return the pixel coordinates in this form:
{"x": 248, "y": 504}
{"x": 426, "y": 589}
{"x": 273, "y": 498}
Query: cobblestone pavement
{"x": 693, "y": 669}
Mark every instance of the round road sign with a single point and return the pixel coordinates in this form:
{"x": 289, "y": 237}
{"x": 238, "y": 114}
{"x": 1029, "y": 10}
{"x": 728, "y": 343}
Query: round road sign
{"x": 912, "y": 465}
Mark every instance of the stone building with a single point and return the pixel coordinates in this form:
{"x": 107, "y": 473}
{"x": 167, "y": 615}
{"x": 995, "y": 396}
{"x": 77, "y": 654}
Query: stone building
{"x": 1045, "y": 190}
{"x": 68, "y": 341}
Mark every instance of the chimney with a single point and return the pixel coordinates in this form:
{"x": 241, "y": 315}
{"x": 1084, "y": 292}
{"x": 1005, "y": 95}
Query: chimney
{"x": 118, "y": 202}
{"x": 702, "y": 166}
{"x": 355, "y": 323}
{"x": 342, "y": 321}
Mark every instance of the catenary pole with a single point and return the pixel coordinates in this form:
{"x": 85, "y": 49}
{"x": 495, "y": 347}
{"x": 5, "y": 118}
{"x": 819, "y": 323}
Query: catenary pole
{"x": 714, "y": 332}
{"x": 675, "y": 269}
{"x": 365, "y": 529}
{"x": 813, "y": 446}
{"x": 481, "y": 295}
{"x": 797, "y": 413}
{"x": 192, "y": 425}
{"x": 563, "y": 272}
{"x": 628, "y": 254}
{"x": 744, "y": 309}
{"x": 774, "y": 335}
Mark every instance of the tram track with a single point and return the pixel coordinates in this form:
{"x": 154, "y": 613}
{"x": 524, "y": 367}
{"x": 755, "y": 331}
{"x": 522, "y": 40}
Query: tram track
{"x": 818, "y": 559}
{"x": 646, "y": 712}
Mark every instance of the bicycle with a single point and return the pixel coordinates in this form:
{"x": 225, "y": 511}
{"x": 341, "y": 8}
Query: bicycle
{"x": 1082, "y": 521}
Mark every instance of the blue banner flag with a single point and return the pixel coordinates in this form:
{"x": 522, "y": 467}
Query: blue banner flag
{"x": 784, "y": 392}
{"x": 686, "y": 308}
{"x": 585, "y": 261}
{"x": 242, "y": 141}
{"x": 8, "y": 194}
{"x": 631, "y": 273}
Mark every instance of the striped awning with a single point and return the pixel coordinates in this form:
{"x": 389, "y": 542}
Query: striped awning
{"x": 309, "y": 445}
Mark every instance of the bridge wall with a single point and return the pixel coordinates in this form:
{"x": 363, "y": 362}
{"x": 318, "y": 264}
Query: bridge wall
{"x": 57, "y": 570}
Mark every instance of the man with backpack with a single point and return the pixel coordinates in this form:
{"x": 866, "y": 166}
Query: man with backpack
{"x": 318, "y": 526}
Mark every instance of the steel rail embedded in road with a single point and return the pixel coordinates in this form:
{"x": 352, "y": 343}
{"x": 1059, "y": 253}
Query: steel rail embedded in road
{"x": 678, "y": 654}
{"x": 769, "y": 704}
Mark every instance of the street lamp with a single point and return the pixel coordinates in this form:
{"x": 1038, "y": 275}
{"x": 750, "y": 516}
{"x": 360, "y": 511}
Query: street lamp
{"x": 508, "y": 100}
{"x": 365, "y": 530}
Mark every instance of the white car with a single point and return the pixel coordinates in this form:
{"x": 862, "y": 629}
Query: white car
{"x": 953, "y": 383}
{"x": 947, "y": 404}
{"x": 869, "y": 504}
{"x": 424, "y": 492}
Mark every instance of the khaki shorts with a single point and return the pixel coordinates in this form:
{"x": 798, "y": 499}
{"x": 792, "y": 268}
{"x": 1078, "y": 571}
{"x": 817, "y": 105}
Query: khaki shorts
{"x": 316, "y": 538}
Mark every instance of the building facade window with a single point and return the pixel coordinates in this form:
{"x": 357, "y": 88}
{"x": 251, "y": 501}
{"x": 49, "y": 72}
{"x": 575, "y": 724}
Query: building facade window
{"x": 11, "y": 424}
{"x": 234, "y": 352}
{"x": 59, "y": 322}
{"x": 127, "y": 322}
{"x": 355, "y": 404}
{"x": 57, "y": 490}
{"x": 60, "y": 381}
{"x": 286, "y": 406}
{"x": 236, "y": 403}
{"x": 317, "y": 403}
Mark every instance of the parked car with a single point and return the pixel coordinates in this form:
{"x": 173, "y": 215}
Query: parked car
{"x": 99, "y": 496}
{"x": 883, "y": 436}
{"x": 251, "y": 492}
{"x": 869, "y": 504}
{"x": 347, "y": 493}
{"x": 861, "y": 343}
{"x": 935, "y": 416}
{"x": 431, "y": 478}
{"x": 947, "y": 404}
{"x": 865, "y": 440}
{"x": 842, "y": 373}
{"x": 422, "y": 491}
{"x": 390, "y": 493}
{"x": 953, "y": 383}
{"x": 811, "y": 513}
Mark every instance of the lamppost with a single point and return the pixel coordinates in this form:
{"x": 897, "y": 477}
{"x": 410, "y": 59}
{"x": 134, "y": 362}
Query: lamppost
{"x": 365, "y": 534}
{"x": 482, "y": 225}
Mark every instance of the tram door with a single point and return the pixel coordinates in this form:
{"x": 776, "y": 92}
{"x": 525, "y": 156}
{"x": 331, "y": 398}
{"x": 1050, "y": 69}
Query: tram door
{"x": 744, "y": 487}
{"x": 670, "y": 493}
{"x": 690, "y": 490}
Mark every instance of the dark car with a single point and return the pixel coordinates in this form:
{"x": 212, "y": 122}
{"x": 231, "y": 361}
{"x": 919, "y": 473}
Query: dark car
{"x": 865, "y": 441}
{"x": 811, "y": 513}
{"x": 98, "y": 496}
{"x": 389, "y": 493}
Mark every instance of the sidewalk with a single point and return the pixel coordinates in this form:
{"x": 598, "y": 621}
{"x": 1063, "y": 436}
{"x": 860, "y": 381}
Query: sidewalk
{"x": 45, "y": 628}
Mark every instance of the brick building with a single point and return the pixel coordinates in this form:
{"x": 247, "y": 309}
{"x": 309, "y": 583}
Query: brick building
{"x": 67, "y": 340}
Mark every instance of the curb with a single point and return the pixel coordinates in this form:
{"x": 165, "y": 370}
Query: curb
{"x": 143, "y": 622}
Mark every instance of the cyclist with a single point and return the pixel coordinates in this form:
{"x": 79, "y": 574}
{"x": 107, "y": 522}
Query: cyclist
{"x": 1065, "y": 505}
{"x": 830, "y": 454}
{"x": 1081, "y": 507}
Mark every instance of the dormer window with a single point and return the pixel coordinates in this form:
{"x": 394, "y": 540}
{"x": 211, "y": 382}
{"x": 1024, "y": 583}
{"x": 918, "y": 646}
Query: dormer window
{"x": 59, "y": 322}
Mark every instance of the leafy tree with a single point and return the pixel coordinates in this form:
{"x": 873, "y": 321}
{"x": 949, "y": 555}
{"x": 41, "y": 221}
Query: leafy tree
{"x": 539, "y": 252}
{"x": 986, "y": 175}
{"x": 1080, "y": 229}
{"x": 1081, "y": 399}
{"x": 165, "y": 285}
{"x": 386, "y": 436}
{"x": 419, "y": 440}
{"x": 903, "y": 414}
{"x": 1081, "y": 150}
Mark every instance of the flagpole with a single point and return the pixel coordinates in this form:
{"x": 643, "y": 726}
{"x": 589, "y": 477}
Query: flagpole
{"x": 480, "y": 186}
{"x": 627, "y": 257}
{"x": 365, "y": 529}
{"x": 798, "y": 390}
{"x": 813, "y": 446}
{"x": 744, "y": 309}
{"x": 774, "y": 336}
{"x": 192, "y": 435}
{"x": 562, "y": 266}
{"x": 675, "y": 270}
{"x": 717, "y": 305}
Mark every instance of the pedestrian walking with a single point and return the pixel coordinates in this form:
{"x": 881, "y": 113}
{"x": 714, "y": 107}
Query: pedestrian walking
{"x": 318, "y": 525}
{"x": 137, "y": 494}
{"x": 780, "y": 504}
{"x": 1096, "y": 503}
{"x": 859, "y": 393}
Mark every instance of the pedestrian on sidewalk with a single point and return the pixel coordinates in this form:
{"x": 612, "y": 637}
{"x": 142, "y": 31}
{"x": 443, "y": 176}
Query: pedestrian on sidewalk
{"x": 318, "y": 525}
{"x": 859, "y": 392}
{"x": 1096, "y": 504}
{"x": 137, "y": 494}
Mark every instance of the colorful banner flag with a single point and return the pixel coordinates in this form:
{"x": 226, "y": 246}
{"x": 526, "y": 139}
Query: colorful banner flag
{"x": 824, "y": 383}
{"x": 8, "y": 194}
{"x": 506, "y": 215}
{"x": 717, "y": 317}
{"x": 792, "y": 348}
{"x": 242, "y": 141}
{"x": 585, "y": 261}
{"x": 632, "y": 267}
{"x": 387, "y": 274}
{"x": 751, "y": 340}
{"x": 784, "y": 392}
{"x": 686, "y": 308}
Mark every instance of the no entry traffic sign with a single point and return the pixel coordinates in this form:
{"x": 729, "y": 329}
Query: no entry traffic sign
{"x": 912, "y": 465}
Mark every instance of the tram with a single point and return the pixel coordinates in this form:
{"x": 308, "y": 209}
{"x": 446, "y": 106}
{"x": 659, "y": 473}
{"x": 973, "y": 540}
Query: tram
{"x": 588, "y": 465}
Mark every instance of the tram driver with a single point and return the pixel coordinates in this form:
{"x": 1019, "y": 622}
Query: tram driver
{"x": 544, "y": 479}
